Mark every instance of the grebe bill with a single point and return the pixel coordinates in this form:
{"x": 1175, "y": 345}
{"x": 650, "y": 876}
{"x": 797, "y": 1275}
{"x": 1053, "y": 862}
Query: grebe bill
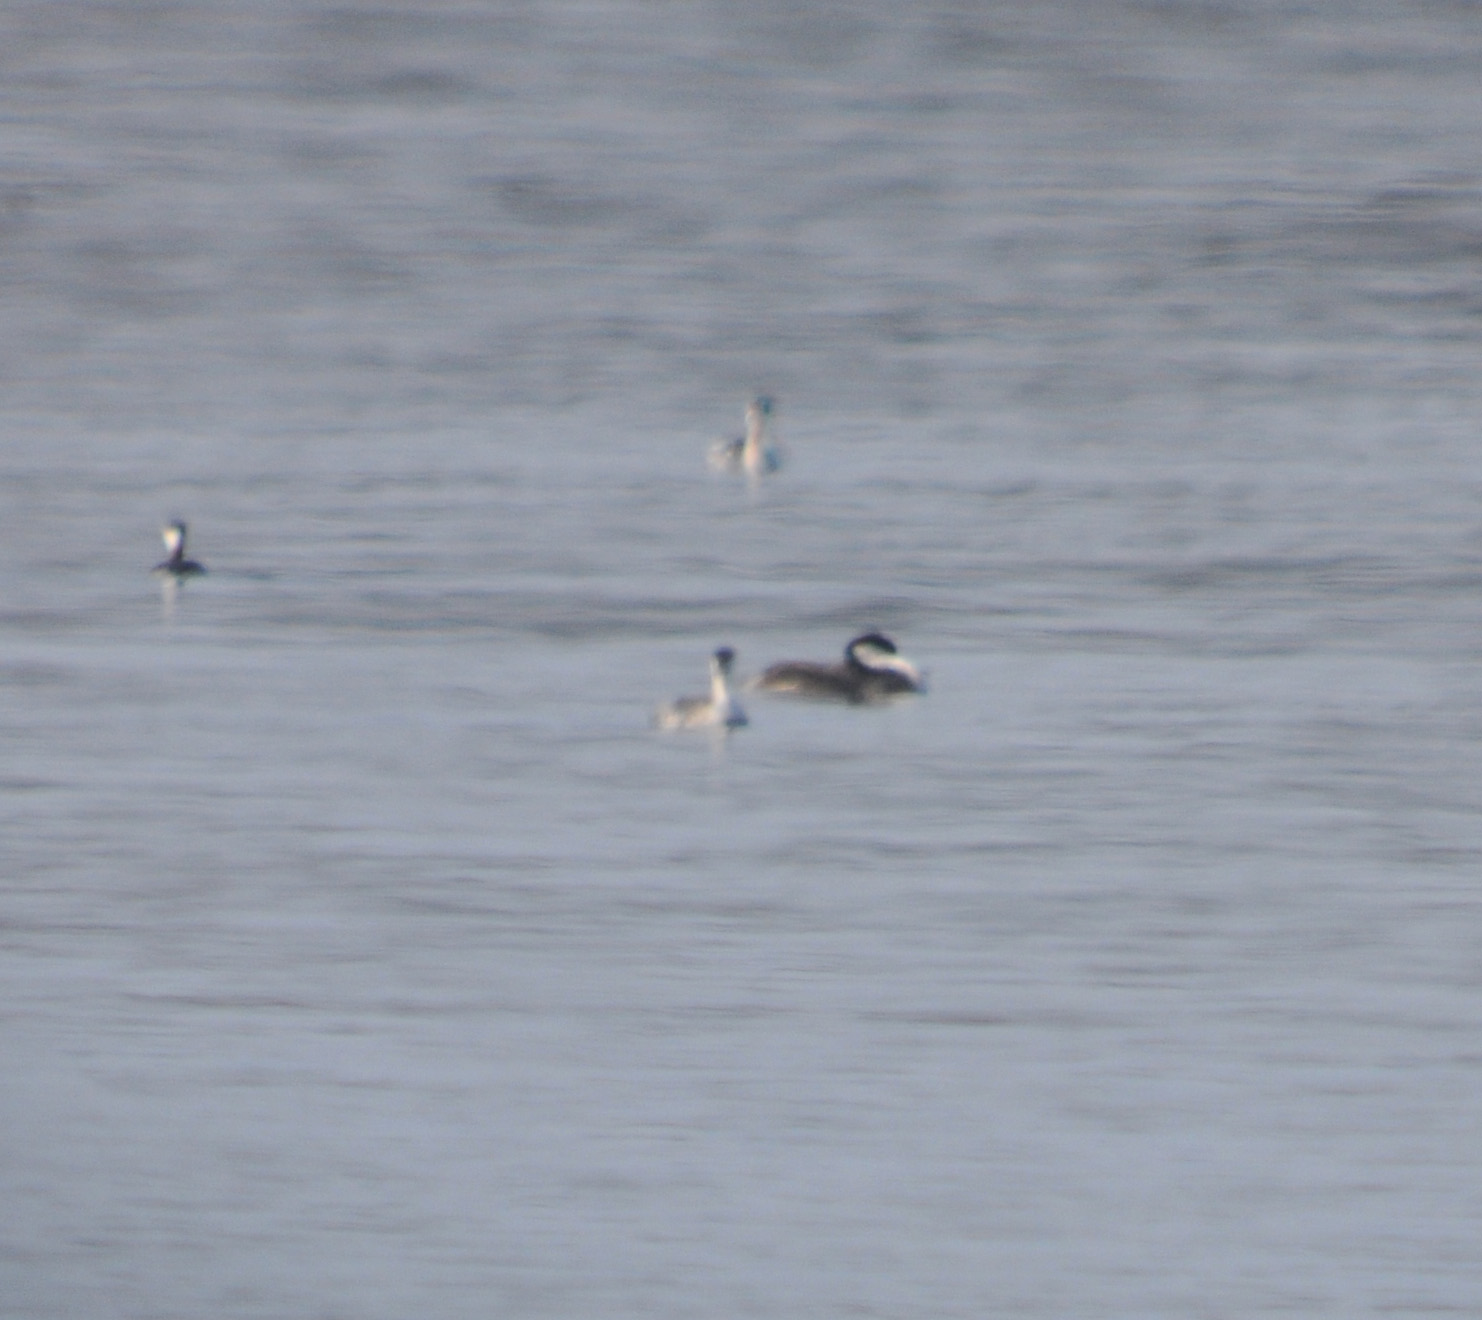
{"x": 720, "y": 710}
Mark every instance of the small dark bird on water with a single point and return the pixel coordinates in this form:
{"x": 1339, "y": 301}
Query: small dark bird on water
{"x": 177, "y": 565}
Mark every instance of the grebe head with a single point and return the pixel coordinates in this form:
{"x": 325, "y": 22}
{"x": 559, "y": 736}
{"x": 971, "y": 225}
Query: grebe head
{"x": 876, "y": 652}
{"x": 870, "y": 646}
{"x": 173, "y": 535}
{"x": 758, "y": 413}
{"x": 724, "y": 658}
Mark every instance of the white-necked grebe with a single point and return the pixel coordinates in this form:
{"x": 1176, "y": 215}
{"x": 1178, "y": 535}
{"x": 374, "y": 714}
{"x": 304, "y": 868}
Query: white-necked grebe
{"x": 720, "y": 710}
{"x": 872, "y": 670}
{"x": 752, "y": 453}
{"x": 177, "y": 565}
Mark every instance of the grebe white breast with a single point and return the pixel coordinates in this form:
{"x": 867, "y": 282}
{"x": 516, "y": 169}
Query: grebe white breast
{"x": 177, "y": 565}
{"x": 720, "y": 710}
{"x": 872, "y": 670}
{"x": 752, "y": 453}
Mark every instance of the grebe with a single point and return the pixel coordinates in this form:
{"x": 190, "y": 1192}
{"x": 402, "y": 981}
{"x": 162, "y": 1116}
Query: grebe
{"x": 177, "y": 565}
{"x": 750, "y": 453}
{"x": 873, "y": 670}
{"x": 720, "y": 710}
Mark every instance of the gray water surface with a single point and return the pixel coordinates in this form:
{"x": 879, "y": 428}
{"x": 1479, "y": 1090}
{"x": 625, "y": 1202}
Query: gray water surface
{"x": 367, "y": 954}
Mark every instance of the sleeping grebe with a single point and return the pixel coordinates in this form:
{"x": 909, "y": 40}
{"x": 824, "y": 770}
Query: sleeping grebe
{"x": 720, "y": 710}
{"x": 177, "y": 565}
{"x": 873, "y": 670}
{"x": 750, "y": 453}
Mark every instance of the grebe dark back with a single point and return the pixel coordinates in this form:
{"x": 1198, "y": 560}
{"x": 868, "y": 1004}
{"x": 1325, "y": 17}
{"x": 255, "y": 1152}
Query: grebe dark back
{"x": 872, "y": 670}
{"x": 177, "y": 565}
{"x": 720, "y": 710}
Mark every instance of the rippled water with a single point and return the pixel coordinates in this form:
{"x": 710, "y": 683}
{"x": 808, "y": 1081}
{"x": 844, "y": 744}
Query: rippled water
{"x": 367, "y": 954}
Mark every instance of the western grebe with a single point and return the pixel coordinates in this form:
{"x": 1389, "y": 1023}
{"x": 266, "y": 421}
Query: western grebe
{"x": 872, "y": 670}
{"x": 751, "y": 453}
{"x": 720, "y": 710}
{"x": 177, "y": 565}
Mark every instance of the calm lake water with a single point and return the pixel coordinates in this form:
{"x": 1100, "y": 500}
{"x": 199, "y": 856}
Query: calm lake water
{"x": 366, "y": 953}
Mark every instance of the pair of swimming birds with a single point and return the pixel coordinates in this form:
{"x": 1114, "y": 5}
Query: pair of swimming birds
{"x": 872, "y": 671}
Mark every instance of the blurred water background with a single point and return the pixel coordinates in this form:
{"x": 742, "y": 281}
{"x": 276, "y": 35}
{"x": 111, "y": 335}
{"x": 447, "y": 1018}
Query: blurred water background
{"x": 364, "y": 952}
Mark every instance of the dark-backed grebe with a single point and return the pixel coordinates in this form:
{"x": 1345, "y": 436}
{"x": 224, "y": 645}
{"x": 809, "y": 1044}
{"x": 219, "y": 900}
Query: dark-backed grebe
{"x": 720, "y": 710}
{"x": 177, "y": 565}
{"x": 873, "y": 670}
{"x": 751, "y": 453}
